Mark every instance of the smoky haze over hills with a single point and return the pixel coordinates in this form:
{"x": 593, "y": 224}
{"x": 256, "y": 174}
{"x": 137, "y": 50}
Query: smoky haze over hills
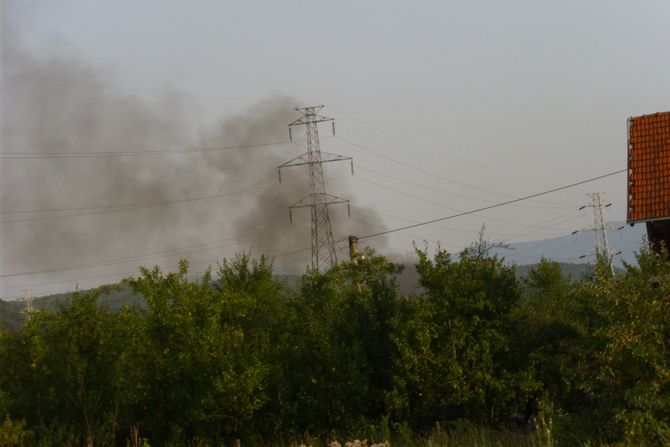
{"x": 504, "y": 116}
{"x": 43, "y": 114}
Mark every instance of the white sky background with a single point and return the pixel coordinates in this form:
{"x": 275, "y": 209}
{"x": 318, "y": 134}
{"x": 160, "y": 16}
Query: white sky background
{"x": 510, "y": 97}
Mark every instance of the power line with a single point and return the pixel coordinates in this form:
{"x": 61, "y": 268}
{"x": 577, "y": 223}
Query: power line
{"x": 545, "y": 242}
{"x": 406, "y": 194}
{"x": 421, "y": 186}
{"x": 172, "y": 252}
{"x": 414, "y": 142}
{"x": 124, "y": 207}
{"x": 461, "y": 230}
{"x": 508, "y": 202}
{"x": 565, "y": 217}
{"x": 441, "y": 191}
{"x": 421, "y": 199}
{"x": 17, "y": 297}
{"x": 75, "y": 280}
{"x": 414, "y": 237}
{"x": 470, "y": 230}
{"x": 279, "y": 253}
{"x": 140, "y": 204}
{"x": 273, "y": 255}
{"x": 423, "y": 171}
{"x": 139, "y": 153}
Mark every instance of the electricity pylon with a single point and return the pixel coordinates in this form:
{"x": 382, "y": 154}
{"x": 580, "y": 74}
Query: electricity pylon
{"x": 323, "y": 244}
{"x": 599, "y": 227}
{"x": 597, "y": 203}
{"x": 27, "y": 302}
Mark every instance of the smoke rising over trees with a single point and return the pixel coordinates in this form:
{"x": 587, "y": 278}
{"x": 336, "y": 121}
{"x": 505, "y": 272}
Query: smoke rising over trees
{"x": 61, "y": 104}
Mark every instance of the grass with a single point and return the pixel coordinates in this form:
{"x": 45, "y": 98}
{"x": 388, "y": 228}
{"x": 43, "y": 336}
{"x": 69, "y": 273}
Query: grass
{"x": 458, "y": 435}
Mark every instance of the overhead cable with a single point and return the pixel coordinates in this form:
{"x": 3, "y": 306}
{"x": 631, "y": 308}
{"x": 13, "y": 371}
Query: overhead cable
{"x": 497, "y": 205}
{"x": 92, "y": 210}
{"x": 140, "y": 153}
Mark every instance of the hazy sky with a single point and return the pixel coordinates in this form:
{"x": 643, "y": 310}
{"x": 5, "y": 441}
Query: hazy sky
{"x": 450, "y": 106}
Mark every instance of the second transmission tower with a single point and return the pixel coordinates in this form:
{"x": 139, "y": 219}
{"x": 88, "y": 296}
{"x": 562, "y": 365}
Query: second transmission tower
{"x": 597, "y": 203}
{"x": 600, "y": 227}
{"x": 323, "y": 245}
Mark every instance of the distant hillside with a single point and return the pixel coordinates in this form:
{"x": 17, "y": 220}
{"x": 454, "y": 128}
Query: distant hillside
{"x": 570, "y": 248}
{"x": 10, "y": 315}
{"x": 569, "y": 271}
{"x": 409, "y": 278}
{"x": 113, "y": 296}
{"x": 116, "y": 296}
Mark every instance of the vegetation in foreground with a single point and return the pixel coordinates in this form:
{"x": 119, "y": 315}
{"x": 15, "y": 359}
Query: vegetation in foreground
{"x": 477, "y": 357}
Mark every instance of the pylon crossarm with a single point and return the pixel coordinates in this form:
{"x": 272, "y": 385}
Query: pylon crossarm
{"x": 309, "y": 109}
{"x": 310, "y": 119}
{"x": 326, "y": 199}
{"x": 307, "y": 205}
{"x": 302, "y": 160}
{"x": 327, "y": 156}
{"x": 292, "y": 162}
{"x": 582, "y": 230}
{"x": 303, "y": 203}
{"x": 332, "y": 199}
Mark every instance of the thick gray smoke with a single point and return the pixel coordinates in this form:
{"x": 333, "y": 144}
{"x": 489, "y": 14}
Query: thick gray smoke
{"x": 59, "y": 104}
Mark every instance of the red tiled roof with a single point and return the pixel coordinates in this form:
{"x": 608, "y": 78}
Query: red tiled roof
{"x": 649, "y": 167}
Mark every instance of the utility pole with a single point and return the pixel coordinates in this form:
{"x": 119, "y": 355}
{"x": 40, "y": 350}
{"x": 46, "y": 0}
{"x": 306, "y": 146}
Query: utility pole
{"x": 599, "y": 227}
{"x": 323, "y": 244}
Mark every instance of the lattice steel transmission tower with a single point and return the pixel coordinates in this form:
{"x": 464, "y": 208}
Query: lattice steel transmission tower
{"x": 598, "y": 204}
{"x": 600, "y": 227}
{"x": 28, "y": 302}
{"x": 323, "y": 244}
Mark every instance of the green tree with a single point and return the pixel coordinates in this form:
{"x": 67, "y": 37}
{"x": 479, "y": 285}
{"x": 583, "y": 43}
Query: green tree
{"x": 556, "y": 350}
{"x": 454, "y": 347}
{"x": 258, "y": 304}
{"x": 60, "y": 372}
{"x": 343, "y": 355}
{"x": 635, "y": 370}
{"x": 203, "y": 356}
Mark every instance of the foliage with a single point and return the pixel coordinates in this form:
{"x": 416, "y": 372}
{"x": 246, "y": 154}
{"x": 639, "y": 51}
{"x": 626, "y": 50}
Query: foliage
{"x": 454, "y": 349}
{"x": 474, "y": 357}
{"x": 11, "y": 317}
{"x": 198, "y": 359}
{"x": 60, "y": 369}
{"x": 636, "y": 360}
{"x": 12, "y": 433}
{"x": 341, "y": 364}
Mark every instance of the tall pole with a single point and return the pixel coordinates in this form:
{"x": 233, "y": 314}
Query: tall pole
{"x": 323, "y": 245}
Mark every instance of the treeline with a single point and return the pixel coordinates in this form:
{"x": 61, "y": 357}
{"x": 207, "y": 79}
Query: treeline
{"x": 240, "y": 355}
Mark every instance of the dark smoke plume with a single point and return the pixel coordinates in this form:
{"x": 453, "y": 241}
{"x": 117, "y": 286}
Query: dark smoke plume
{"x": 59, "y": 104}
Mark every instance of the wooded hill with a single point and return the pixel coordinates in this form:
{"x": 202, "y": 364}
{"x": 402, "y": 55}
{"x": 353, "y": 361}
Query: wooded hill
{"x": 115, "y": 296}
